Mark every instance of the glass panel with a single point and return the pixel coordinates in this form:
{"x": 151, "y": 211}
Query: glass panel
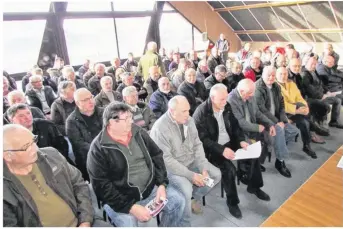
{"x": 175, "y": 32}
{"x": 133, "y": 5}
{"x": 89, "y": 6}
{"x": 90, "y": 38}
{"x": 21, "y": 45}
{"x": 199, "y": 44}
{"x": 25, "y": 6}
{"x": 167, "y": 7}
{"x": 131, "y": 35}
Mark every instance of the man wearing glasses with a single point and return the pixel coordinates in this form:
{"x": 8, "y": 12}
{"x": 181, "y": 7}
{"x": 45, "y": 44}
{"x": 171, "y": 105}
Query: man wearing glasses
{"x": 82, "y": 125}
{"x": 219, "y": 76}
{"x": 127, "y": 171}
{"x": 40, "y": 188}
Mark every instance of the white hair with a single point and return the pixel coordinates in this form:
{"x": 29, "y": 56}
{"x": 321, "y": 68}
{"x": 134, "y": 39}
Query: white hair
{"x": 14, "y": 93}
{"x": 152, "y": 46}
{"x": 105, "y": 78}
{"x": 67, "y": 70}
{"x": 173, "y": 102}
{"x": 34, "y": 77}
{"x": 99, "y": 65}
{"x": 128, "y": 90}
{"x": 217, "y": 87}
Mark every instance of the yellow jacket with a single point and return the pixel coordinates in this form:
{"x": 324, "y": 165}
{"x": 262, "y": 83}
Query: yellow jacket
{"x": 291, "y": 95}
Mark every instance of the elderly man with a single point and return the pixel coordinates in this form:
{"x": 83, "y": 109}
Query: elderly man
{"x": 254, "y": 71}
{"x": 221, "y": 136}
{"x": 42, "y": 178}
{"x": 64, "y": 105}
{"x": 257, "y": 54}
{"x": 115, "y": 64}
{"x": 214, "y": 59}
{"x": 107, "y": 95}
{"x": 281, "y": 61}
{"x": 48, "y": 134}
{"x": 150, "y": 58}
{"x": 68, "y": 73}
{"x": 47, "y": 80}
{"x": 234, "y": 76}
{"x": 271, "y": 103}
{"x": 82, "y": 125}
{"x": 177, "y": 136}
{"x": 179, "y": 75}
{"x": 219, "y": 76}
{"x": 141, "y": 113}
{"x": 223, "y": 47}
{"x": 175, "y": 63}
{"x": 202, "y": 71}
{"x": 168, "y": 59}
{"x": 328, "y": 50}
{"x": 318, "y": 97}
{"x": 83, "y": 69}
{"x": 40, "y": 96}
{"x": 127, "y": 171}
{"x": 128, "y": 80}
{"x": 257, "y": 126}
{"x": 94, "y": 82}
{"x": 294, "y": 69}
{"x": 158, "y": 102}
{"x": 151, "y": 84}
{"x": 130, "y": 63}
{"x": 194, "y": 91}
{"x": 244, "y": 54}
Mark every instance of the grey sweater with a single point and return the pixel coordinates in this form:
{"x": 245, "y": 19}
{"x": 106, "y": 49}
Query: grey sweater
{"x": 178, "y": 155}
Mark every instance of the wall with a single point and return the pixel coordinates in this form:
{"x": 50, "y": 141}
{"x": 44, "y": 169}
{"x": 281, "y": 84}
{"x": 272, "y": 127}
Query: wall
{"x": 198, "y": 12}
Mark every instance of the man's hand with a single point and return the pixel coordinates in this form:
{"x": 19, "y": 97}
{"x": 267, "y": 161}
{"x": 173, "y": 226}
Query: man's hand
{"x": 198, "y": 180}
{"x": 325, "y": 96}
{"x": 272, "y": 131}
{"x": 229, "y": 154}
{"x": 85, "y": 224}
{"x": 140, "y": 212}
{"x": 260, "y": 128}
{"x": 161, "y": 194}
{"x": 244, "y": 145}
{"x": 205, "y": 173}
{"x": 48, "y": 116}
{"x": 302, "y": 110}
{"x": 281, "y": 124}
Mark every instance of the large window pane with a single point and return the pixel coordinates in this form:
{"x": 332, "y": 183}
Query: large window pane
{"x": 199, "y": 44}
{"x": 133, "y": 5}
{"x": 175, "y": 32}
{"x": 26, "y": 6}
{"x": 90, "y": 38}
{"x": 167, "y": 7}
{"x": 131, "y": 35}
{"x": 21, "y": 45}
{"x": 89, "y": 6}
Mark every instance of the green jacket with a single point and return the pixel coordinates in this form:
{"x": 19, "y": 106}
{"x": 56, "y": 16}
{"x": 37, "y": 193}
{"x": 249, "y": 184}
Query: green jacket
{"x": 150, "y": 59}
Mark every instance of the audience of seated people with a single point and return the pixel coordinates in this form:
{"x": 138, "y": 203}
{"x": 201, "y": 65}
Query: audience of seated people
{"x": 291, "y": 97}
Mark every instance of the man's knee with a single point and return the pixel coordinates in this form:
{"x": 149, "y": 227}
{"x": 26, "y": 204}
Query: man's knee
{"x": 229, "y": 168}
{"x": 215, "y": 174}
{"x": 182, "y": 184}
{"x": 176, "y": 200}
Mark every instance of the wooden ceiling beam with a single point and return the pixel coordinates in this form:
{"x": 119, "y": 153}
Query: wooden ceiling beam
{"x": 330, "y": 30}
{"x": 262, "y": 5}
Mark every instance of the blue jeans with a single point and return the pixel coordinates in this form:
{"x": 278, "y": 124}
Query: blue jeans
{"x": 172, "y": 213}
{"x": 279, "y": 140}
{"x": 290, "y": 132}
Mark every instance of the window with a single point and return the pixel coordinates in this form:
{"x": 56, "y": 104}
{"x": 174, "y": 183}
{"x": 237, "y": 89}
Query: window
{"x": 90, "y": 38}
{"x": 26, "y": 6}
{"x": 167, "y": 7}
{"x": 89, "y": 6}
{"x": 199, "y": 44}
{"x": 133, "y": 5}
{"x": 21, "y": 45}
{"x": 175, "y": 32}
{"x": 131, "y": 35}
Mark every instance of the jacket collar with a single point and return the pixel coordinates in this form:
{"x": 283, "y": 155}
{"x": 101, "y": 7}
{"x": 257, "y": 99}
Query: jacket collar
{"x": 105, "y": 139}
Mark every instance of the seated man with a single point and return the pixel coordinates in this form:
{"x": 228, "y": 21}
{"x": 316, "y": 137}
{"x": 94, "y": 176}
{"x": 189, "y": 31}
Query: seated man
{"x": 294, "y": 68}
{"x": 40, "y": 96}
{"x": 219, "y": 76}
{"x": 254, "y": 71}
{"x": 83, "y": 69}
{"x": 142, "y": 115}
{"x": 115, "y": 64}
{"x": 47, "y": 80}
{"x": 202, "y": 71}
{"x": 214, "y": 60}
{"x": 159, "y": 99}
{"x": 328, "y": 50}
{"x": 257, "y": 126}
{"x": 128, "y": 80}
{"x": 318, "y": 97}
{"x": 177, "y": 136}
{"x": 42, "y": 178}
{"x": 130, "y": 63}
{"x": 221, "y": 137}
{"x": 127, "y": 172}
{"x": 151, "y": 84}
{"x": 175, "y": 63}
{"x": 234, "y": 76}
{"x": 82, "y": 125}
{"x": 48, "y": 134}
{"x": 64, "y": 105}
{"x": 107, "y": 95}
{"x": 194, "y": 59}
{"x": 179, "y": 75}
{"x": 94, "y": 82}
{"x": 244, "y": 54}
{"x": 271, "y": 103}
{"x": 194, "y": 91}
{"x": 68, "y": 73}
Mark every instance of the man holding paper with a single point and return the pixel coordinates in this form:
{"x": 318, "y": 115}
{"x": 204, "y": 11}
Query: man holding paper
{"x": 221, "y": 136}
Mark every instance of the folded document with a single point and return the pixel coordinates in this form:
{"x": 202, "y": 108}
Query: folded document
{"x": 253, "y": 151}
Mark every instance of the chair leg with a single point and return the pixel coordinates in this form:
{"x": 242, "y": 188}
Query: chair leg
{"x": 158, "y": 220}
{"x": 99, "y": 204}
{"x": 222, "y": 188}
{"x": 203, "y": 201}
{"x": 104, "y": 215}
{"x": 269, "y": 156}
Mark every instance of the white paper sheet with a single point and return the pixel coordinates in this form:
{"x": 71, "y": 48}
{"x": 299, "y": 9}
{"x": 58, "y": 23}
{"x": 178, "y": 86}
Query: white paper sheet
{"x": 253, "y": 151}
{"x": 340, "y": 163}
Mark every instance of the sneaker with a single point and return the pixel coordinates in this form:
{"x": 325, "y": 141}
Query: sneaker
{"x": 196, "y": 207}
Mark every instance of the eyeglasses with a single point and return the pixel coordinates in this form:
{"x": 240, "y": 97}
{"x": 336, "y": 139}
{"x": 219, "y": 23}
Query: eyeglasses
{"x": 87, "y": 99}
{"x": 25, "y": 147}
{"x": 128, "y": 118}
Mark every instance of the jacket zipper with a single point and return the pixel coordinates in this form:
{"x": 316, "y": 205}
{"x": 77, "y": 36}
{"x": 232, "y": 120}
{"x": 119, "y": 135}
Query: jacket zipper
{"x": 152, "y": 166}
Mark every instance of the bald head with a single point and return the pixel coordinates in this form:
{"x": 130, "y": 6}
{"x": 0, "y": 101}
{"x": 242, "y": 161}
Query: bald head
{"x": 295, "y": 65}
{"x": 11, "y": 130}
{"x": 84, "y": 101}
{"x": 179, "y": 107}
{"x": 218, "y": 95}
{"x": 311, "y": 64}
{"x": 329, "y": 61}
{"x": 246, "y": 89}
{"x": 268, "y": 75}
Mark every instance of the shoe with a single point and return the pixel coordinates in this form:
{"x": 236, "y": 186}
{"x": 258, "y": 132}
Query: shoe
{"x": 281, "y": 167}
{"x": 316, "y": 139}
{"x": 234, "y": 211}
{"x": 263, "y": 169}
{"x": 320, "y": 131}
{"x": 336, "y": 124}
{"x": 243, "y": 177}
{"x": 196, "y": 207}
{"x": 307, "y": 149}
{"x": 260, "y": 194}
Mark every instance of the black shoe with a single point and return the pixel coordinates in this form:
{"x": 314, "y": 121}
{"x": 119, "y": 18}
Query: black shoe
{"x": 260, "y": 194}
{"x": 263, "y": 169}
{"x": 320, "y": 130}
{"x": 336, "y": 124}
{"x": 243, "y": 177}
{"x": 234, "y": 211}
{"x": 281, "y": 167}
{"x": 307, "y": 149}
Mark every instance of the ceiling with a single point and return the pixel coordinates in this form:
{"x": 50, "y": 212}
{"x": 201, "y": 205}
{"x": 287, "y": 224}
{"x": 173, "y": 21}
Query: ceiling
{"x": 293, "y": 21}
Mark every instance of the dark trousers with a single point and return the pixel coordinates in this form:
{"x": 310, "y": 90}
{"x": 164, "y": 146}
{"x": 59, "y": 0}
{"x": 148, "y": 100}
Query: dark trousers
{"x": 318, "y": 109}
{"x": 265, "y": 142}
{"x": 303, "y": 125}
{"x": 340, "y": 96}
{"x": 322, "y": 107}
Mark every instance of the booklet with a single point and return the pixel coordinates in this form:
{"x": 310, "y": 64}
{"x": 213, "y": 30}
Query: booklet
{"x": 253, "y": 151}
{"x": 156, "y": 207}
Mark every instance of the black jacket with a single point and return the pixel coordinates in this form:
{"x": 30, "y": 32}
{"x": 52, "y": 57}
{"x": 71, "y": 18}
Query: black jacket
{"x": 59, "y": 115}
{"x": 332, "y": 79}
{"x": 213, "y": 62}
{"x": 313, "y": 89}
{"x": 82, "y": 70}
{"x": 33, "y": 99}
{"x": 233, "y": 80}
{"x": 264, "y": 103}
{"x": 64, "y": 179}
{"x": 109, "y": 170}
{"x": 297, "y": 79}
{"x": 24, "y": 81}
{"x": 142, "y": 92}
{"x": 11, "y": 80}
{"x": 208, "y": 130}
{"x": 94, "y": 85}
{"x": 101, "y": 100}
{"x": 195, "y": 94}
{"x": 211, "y": 81}
{"x": 158, "y": 102}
